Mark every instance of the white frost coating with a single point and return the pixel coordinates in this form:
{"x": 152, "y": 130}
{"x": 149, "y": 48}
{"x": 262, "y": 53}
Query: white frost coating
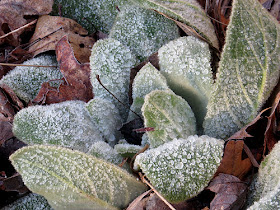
{"x": 26, "y": 81}
{"x": 146, "y": 80}
{"x": 185, "y": 62}
{"x": 112, "y": 61}
{"x": 169, "y": 115}
{"x": 91, "y": 14}
{"x": 106, "y": 117}
{"x": 267, "y": 182}
{"x": 30, "y": 202}
{"x": 67, "y": 124}
{"x": 127, "y": 150}
{"x": 186, "y": 11}
{"x": 70, "y": 179}
{"x": 248, "y": 70}
{"x": 182, "y": 168}
{"x": 143, "y": 31}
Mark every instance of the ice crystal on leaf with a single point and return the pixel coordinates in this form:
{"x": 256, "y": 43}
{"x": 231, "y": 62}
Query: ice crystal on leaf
{"x": 169, "y": 115}
{"x": 143, "y": 31}
{"x": 182, "y": 168}
{"x": 186, "y": 11}
{"x": 127, "y": 150}
{"x": 146, "y": 80}
{"x": 248, "y": 70}
{"x": 106, "y": 117}
{"x": 112, "y": 61}
{"x": 185, "y": 62}
{"x": 74, "y": 180}
{"x": 265, "y": 189}
{"x": 30, "y": 202}
{"x": 91, "y": 14}
{"x": 67, "y": 124}
{"x": 26, "y": 81}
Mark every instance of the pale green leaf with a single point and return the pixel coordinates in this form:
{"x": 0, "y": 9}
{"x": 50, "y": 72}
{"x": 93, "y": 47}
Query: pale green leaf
{"x": 169, "y": 115}
{"x": 112, "y": 61}
{"x": 26, "y": 81}
{"x": 182, "y": 168}
{"x": 66, "y": 124}
{"x": 186, "y": 64}
{"x": 143, "y": 31}
{"x": 186, "y": 11}
{"x": 248, "y": 70}
{"x": 127, "y": 150}
{"x": 74, "y": 180}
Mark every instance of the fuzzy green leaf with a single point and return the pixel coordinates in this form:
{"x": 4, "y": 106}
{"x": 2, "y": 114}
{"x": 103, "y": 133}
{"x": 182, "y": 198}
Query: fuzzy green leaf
{"x": 112, "y": 61}
{"x": 186, "y": 11}
{"x": 185, "y": 62}
{"x": 182, "y": 168}
{"x": 26, "y": 81}
{"x": 66, "y": 124}
{"x": 143, "y": 31}
{"x": 248, "y": 70}
{"x": 169, "y": 115}
{"x": 127, "y": 150}
{"x": 74, "y": 180}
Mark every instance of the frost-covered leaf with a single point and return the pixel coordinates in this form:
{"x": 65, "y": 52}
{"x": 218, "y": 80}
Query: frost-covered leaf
{"x": 146, "y": 80}
{"x": 267, "y": 183}
{"x": 74, "y": 180}
{"x": 30, "y": 202}
{"x": 182, "y": 168}
{"x": 127, "y": 150}
{"x": 26, "y": 81}
{"x": 248, "y": 70}
{"x": 186, "y": 11}
{"x": 91, "y": 14}
{"x": 67, "y": 124}
{"x": 112, "y": 61}
{"x": 106, "y": 117}
{"x": 169, "y": 115}
{"x": 185, "y": 62}
{"x": 143, "y": 31}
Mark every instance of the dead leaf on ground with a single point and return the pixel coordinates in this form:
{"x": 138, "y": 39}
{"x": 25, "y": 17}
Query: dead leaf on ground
{"x": 77, "y": 35}
{"x": 13, "y": 15}
{"x": 76, "y": 82}
{"x": 139, "y": 203}
{"x": 230, "y": 192}
{"x": 13, "y": 183}
{"x": 275, "y": 10}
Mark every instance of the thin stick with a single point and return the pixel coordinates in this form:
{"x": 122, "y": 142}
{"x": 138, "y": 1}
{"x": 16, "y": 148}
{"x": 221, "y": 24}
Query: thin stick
{"x": 217, "y": 20}
{"x": 18, "y": 29}
{"x": 251, "y": 156}
{"x": 98, "y": 79}
{"x": 144, "y": 180}
{"x": 13, "y": 64}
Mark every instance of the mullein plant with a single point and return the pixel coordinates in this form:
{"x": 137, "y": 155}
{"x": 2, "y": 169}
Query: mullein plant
{"x": 70, "y": 159}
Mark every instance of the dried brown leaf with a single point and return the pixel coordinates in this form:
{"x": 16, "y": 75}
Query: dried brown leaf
{"x": 13, "y": 16}
{"x": 140, "y": 202}
{"x": 230, "y": 192}
{"x": 76, "y": 85}
{"x": 13, "y": 183}
{"x": 77, "y": 35}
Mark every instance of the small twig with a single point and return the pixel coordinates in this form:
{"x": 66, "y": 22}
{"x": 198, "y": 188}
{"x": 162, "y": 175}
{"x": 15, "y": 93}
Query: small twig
{"x": 98, "y": 79}
{"x": 123, "y": 162}
{"x": 144, "y": 180}
{"x": 18, "y": 29}
{"x": 13, "y": 64}
{"x": 217, "y": 20}
{"x": 251, "y": 156}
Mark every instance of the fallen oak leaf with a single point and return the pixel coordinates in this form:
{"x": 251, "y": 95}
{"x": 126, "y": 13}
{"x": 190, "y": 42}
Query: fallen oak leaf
{"x": 76, "y": 83}
{"x": 77, "y": 35}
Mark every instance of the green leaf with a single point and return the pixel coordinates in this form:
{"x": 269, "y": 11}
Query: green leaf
{"x": 66, "y": 124}
{"x": 185, "y": 62}
{"x": 30, "y": 202}
{"x": 26, "y": 81}
{"x": 186, "y": 11}
{"x": 112, "y": 61}
{"x": 146, "y": 80}
{"x": 248, "y": 70}
{"x": 169, "y": 115}
{"x": 127, "y": 150}
{"x": 74, "y": 180}
{"x": 143, "y": 31}
{"x": 182, "y": 168}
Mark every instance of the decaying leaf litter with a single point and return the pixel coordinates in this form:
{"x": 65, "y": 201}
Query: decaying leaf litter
{"x": 246, "y": 147}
